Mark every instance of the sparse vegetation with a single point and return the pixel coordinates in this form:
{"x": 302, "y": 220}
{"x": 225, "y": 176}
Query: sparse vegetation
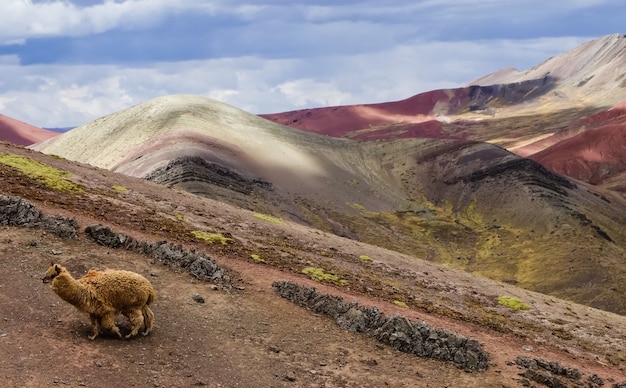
{"x": 513, "y": 303}
{"x": 365, "y": 258}
{"x": 49, "y": 176}
{"x": 319, "y": 275}
{"x": 211, "y": 238}
{"x": 257, "y": 258}
{"x": 181, "y": 217}
{"x": 562, "y": 334}
{"x": 400, "y": 304}
{"x": 268, "y": 218}
{"x": 120, "y": 189}
{"x": 356, "y": 206}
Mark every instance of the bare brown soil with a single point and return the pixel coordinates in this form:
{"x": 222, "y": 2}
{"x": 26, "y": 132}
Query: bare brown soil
{"x": 244, "y": 335}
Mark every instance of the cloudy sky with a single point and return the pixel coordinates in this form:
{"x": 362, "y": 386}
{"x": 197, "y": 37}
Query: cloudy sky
{"x": 67, "y": 62}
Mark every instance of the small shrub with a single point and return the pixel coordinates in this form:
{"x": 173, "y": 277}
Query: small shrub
{"x": 268, "y": 218}
{"x": 211, "y": 237}
{"x": 319, "y": 275}
{"x": 257, "y": 258}
{"x": 513, "y": 303}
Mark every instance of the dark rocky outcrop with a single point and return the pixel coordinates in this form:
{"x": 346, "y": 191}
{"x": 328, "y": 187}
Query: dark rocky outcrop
{"x": 396, "y": 331}
{"x": 195, "y": 169}
{"x": 15, "y": 211}
{"x": 553, "y": 374}
{"x": 198, "y": 264}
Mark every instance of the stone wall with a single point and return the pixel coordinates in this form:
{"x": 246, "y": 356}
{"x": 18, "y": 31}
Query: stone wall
{"x": 396, "y": 331}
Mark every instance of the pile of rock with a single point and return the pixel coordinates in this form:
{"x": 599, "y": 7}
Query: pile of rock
{"x": 15, "y": 211}
{"x": 396, "y": 331}
{"x": 198, "y": 264}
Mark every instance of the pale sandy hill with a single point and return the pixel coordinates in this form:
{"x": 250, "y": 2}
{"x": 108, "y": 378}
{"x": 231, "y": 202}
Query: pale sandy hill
{"x": 148, "y": 136}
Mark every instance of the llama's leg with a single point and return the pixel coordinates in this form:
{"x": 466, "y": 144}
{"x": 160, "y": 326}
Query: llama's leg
{"x": 108, "y": 322}
{"x": 136, "y": 321}
{"x": 95, "y": 326}
{"x": 148, "y": 317}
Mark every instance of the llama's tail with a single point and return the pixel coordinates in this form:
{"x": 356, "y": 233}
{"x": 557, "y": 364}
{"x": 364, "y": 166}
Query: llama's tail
{"x": 148, "y": 318}
{"x": 151, "y": 296}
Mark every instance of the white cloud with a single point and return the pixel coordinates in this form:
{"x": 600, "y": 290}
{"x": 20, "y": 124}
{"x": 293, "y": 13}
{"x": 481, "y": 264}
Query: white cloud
{"x": 65, "y": 95}
{"x": 308, "y": 92}
{"x": 23, "y": 19}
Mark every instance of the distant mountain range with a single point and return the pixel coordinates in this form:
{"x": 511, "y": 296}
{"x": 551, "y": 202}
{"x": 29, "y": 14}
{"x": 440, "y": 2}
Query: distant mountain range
{"x": 60, "y": 130}
{"x": 577, "y": 96}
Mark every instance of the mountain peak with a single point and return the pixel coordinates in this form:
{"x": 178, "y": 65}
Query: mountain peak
{"x": 597, "y": 65}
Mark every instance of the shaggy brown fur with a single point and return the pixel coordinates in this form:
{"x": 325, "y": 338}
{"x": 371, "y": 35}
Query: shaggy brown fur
{"x": 104, "y": 294}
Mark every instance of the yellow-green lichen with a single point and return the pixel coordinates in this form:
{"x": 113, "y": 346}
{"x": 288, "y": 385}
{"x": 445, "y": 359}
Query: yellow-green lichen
{"x": 400, "y": 304}
{"x": 120, "y": 189}
{"x": 319, "y": 275}
{"x": 268, "y": 218}
{"x": 512, "y": 303}
{"x": 356, "y": 206}
{"x": 365, "y": 258}
{"x": 211, "y": 238}
{"x": 51, "y": 177}
{"x": 181, "y": 217}
{"x": 257, "y": 258}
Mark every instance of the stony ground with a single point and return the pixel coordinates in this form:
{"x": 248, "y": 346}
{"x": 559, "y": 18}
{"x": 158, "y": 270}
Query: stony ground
{"x": 240, "y": 333}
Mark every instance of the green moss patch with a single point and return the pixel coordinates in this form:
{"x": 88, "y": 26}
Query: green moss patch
{"x": 513, "y": 303}
{"x": 257, "y": 258}
{"x": 120, "y": 189}
{"x": 356, "y": 206}
{"x": 267, "y": 218}
{"x": 51, "y": 177}
{"x": 319, "y": 275}
{"x": 400, "y": 304}
{"x": 211, "y": 238}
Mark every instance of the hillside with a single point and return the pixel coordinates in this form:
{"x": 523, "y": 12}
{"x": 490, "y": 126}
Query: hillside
{"x": 20, "y": 133}
{"x": 591, "y": 149}
{"x": 522, "y": 111}
{"x": 210, "y": 333}
{"x": 469, "y": 205}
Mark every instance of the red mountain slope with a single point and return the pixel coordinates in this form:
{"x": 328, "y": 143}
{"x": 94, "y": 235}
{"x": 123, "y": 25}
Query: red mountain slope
{"x": 20, "y": 133}
{"x": 413, "y": 115}
{"x": 593, "y": 149}
{"x": 420, "y": 116}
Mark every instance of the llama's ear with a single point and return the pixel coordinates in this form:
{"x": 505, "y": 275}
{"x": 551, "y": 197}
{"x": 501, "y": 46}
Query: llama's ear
{"x": 57, "y": 268}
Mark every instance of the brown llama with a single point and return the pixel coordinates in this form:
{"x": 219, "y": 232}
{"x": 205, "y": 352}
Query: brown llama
{"x": 103, "y": 295}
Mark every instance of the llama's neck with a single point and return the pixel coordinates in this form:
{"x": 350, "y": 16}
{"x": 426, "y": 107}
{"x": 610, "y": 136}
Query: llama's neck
{"x": 69, "y": 289}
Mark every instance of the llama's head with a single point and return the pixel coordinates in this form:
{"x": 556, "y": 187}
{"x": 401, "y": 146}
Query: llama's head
{"x": 52, "y": 272}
